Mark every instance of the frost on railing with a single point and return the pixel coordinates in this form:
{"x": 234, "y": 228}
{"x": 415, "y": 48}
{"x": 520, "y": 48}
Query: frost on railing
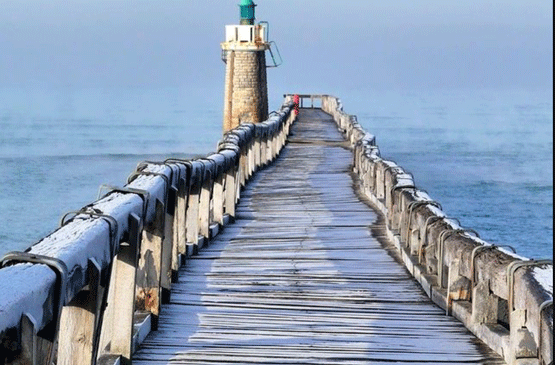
{"x": 93, "y": 288}
{"x": 504, "y": 298}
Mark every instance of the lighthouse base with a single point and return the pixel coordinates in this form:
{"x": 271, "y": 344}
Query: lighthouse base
{"x": 246, "y": 89}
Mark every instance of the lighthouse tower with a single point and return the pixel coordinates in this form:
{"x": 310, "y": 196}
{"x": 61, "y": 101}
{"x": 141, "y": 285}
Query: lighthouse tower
{"x": 246, "y": 90}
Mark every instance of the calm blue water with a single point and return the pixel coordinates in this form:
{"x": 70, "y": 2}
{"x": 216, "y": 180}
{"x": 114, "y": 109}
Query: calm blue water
{"x": 486, "y": 155}
{"x": 58, "y": 146}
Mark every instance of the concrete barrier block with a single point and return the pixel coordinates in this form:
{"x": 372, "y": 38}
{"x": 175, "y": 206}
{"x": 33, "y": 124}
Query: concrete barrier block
{"x": 458, "y": 287}
{"x": 414, "y": 241}
{"x": 430, "y": 260}
{"x": 523, "y": 344}
{"x": 484, "y": 304}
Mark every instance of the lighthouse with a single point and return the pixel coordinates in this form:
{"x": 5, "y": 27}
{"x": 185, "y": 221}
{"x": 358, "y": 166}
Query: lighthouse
{"x": 244, "y": 52}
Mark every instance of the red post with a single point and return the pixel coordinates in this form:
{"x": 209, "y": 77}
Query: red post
{"x": 296, "y": 100}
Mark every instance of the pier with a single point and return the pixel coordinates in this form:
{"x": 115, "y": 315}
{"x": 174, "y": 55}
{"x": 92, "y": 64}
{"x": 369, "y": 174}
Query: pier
{"x": 302, "y": 277}
{"x": 296, "y": 242}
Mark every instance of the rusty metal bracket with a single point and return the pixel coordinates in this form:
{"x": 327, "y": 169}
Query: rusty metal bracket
{"x": 400, "y": 187}
{"x": 179, "y": 161}
{"x": 392, "y": 167}
{"x": 62, "y": 274}
{"x": 96, "y": 213}
{"x": 144, "y": 164}
{"x": 408, "y": 173}
{"x": 419, "y": 203}
{"x": 424, "y": 243}
{"x": 176, "y": 160}
{"x": 475, "y": 251}
{"x": 136, "y": 174}
{"x": 442, "y": 237}
{"x": 28, "y": 338}
{"x": 95, "y": 285}
{"x": 512, "y": 269}
{"x": 141, "y": 165}
{"x": 395, "y": 188}
{"x": 206, "y": 162}
{"x": 415, "y": 205}
{"x": 144, "y": 194}
{"x": 173, "y": 189}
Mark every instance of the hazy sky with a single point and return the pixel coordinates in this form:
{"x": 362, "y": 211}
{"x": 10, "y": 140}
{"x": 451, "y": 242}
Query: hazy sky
{"x": 325, "y": 44}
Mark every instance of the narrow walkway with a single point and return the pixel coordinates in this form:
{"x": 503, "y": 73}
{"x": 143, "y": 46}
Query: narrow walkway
{"x": 299, "y": 278}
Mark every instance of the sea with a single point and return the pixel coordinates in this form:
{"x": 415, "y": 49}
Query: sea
{"x": 485, "y": 154}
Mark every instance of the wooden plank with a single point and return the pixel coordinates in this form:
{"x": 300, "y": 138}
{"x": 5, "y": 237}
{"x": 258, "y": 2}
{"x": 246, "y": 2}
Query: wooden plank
{"x": 78, "y": 322}
{"x": 180, "y": 238}
{"x": 117, "y": 327}
{"x": 300, "y": 278}
{"x": 149, "y": 274}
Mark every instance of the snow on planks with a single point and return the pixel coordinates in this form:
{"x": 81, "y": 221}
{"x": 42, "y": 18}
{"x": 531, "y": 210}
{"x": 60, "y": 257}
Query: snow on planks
{"x": 299, "y": 278}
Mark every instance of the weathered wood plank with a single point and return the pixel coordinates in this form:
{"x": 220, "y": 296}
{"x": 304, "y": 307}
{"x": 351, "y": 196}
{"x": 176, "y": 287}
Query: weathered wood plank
{"x": 300, "y": 278}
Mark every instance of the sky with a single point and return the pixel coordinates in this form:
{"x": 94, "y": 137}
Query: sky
{"x": 325, "y": 44}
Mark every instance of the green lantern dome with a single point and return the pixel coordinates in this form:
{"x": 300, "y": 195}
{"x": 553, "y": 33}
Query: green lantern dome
{"x": 247, "y": 12}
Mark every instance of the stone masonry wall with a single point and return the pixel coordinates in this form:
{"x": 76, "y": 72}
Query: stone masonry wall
{"x": 246, "y": 95}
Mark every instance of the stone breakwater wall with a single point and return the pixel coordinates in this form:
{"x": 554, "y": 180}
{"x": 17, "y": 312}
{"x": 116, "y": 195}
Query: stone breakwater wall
{"x": 503, "y": 298}
{"x": 93, "y": 288}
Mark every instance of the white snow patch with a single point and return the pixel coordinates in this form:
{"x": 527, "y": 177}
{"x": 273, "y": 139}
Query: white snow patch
{"x": 512, "y": 254}
{"x": 404, "y": 180}
{"x": 544, "y": 276}
{"x": 24, "y": 288}
{"x": 422, "y": 196}
{"x": 159, "y": 169}
{"x": 435, "y": 210}
{"x": 368, "y": 137}
{"x": 391, "y": 164}
{"x": 452, "y": 223}
{"x": 144, "y": 182}
{"x": 479, "y": 240}
{"x": 76, "y": 242}
{"x": 119, "y": 206}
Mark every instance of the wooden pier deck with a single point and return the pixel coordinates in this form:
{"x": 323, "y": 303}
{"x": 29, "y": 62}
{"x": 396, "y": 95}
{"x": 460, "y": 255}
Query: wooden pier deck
{"x": 302, "y": 277}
